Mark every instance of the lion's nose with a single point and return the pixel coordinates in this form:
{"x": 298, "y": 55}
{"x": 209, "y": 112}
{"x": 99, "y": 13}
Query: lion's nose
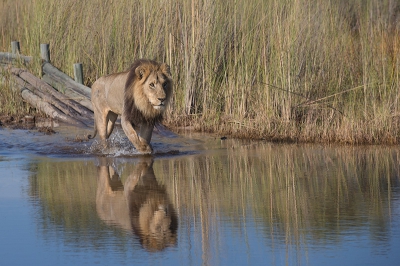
{"x": 161, "y": 99}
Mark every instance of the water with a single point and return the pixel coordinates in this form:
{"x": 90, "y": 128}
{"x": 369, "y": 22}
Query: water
{"x": 198, "y": 201}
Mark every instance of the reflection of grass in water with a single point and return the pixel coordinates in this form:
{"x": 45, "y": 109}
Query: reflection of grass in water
{"x": 65, "y": 188}
{"x": 291, "y": 191}
{"x": 67, "y": 191}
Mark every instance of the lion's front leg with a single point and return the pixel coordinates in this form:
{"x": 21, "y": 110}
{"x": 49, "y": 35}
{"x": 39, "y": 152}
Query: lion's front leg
{"x": 139, "y": 142}
{"x": 146, "y": 131}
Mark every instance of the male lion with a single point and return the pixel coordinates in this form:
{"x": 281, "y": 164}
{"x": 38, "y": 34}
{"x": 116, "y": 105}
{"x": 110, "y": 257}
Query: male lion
{"x": 140, "y": 95}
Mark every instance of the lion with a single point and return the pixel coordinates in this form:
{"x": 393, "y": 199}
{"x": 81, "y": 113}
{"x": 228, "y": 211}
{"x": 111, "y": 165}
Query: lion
{"x": 140, "y": 95}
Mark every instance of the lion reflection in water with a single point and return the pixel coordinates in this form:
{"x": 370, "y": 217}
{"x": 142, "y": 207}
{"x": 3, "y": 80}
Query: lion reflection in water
{"x": 140, "y": 205}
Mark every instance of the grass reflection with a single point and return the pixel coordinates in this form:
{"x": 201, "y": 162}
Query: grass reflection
{"x": 87, "y": 200}
{"x": 294, "y": 195}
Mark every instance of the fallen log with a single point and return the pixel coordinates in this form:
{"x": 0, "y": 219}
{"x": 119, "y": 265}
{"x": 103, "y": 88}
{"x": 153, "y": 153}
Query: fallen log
{"x": 9, "y": 58}
{"x": 66, "y": 80}
{"x": 56, "y": 95}
{"x": 46, "y": 89}
{"x": 47, "y": 108}
{"x": 43, "y": 97}
{"x": 68, "y": 92}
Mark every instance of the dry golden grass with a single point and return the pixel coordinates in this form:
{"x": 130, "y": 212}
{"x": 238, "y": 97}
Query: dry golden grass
{"x": 299, "y": 70}
{"x": 11, "y": 103}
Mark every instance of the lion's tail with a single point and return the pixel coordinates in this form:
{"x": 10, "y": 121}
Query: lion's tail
{"x": 94, "y": 134}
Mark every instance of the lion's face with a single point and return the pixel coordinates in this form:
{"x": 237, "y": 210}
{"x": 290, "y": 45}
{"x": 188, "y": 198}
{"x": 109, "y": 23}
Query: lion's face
{"x": 156, "y": 87}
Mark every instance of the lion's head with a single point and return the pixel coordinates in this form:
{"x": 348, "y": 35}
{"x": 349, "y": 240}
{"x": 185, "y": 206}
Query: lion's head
{"x": 147, "y": 91}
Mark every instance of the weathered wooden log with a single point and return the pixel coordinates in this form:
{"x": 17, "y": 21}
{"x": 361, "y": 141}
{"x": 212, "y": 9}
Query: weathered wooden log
{"x": 9, "y": 58}
{"x": 46, "y": 107}
{"x": 65, "y": 109}
{"x": 72, "y": 106}
{"x": 45, "y": 52}
{"x": 69, "y": 92}
{"x": 15, "y": 47}
{"x": 78, "y": 72}
{"x": 40, "y": 95}
{"x": 49, "y": 90}
{"x": 66, "y": 80}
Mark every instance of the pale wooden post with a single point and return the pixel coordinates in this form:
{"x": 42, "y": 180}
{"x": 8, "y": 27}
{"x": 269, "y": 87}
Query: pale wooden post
{"x": 45, "y": 52}
{"x": 15, "y": 48}
{"x": 78, "y": 72}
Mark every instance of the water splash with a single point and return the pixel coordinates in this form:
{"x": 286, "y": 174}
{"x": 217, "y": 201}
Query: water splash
{"x": 119, "y": 145}
{"x": 72, "y": 141}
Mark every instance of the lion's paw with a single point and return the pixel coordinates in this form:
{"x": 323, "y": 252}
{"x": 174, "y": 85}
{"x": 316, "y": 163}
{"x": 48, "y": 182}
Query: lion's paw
{"x": 145, "y": 149}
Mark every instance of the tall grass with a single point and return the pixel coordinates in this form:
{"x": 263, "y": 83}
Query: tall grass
{"x": 11, "y": 103}
{"x": 301, "y": 70}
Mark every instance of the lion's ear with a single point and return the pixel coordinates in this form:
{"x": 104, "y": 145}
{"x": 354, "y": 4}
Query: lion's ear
{"x": 140, "y": 71}
{"x": 166, "y": 69}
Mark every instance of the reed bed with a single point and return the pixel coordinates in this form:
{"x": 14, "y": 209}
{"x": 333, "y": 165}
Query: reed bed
{"x": 296, "y": 70}
{"x": 11, "y": 104}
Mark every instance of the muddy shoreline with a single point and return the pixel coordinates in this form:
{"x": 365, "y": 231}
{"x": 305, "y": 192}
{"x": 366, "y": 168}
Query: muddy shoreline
{"x": 29, "y": 122}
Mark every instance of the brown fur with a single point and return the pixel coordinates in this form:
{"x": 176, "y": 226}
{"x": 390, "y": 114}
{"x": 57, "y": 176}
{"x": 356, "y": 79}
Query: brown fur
{"x": 140, "y": 95}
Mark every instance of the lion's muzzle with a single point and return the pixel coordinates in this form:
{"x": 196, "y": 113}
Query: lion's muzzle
{"x": 161, "y": 105}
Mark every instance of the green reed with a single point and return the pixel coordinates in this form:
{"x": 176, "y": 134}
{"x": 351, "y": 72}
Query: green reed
{"x": 298, "y": 70}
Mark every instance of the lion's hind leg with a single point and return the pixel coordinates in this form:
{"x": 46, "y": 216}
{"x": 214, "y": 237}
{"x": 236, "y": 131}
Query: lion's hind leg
{"x": 100, "y": 110}
{"x": 100, "y": 118}
{"x": 111, "y": 118}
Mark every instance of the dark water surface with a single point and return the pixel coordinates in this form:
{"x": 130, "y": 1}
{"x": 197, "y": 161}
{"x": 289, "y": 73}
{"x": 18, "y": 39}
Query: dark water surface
{"x": 198, "y": 201}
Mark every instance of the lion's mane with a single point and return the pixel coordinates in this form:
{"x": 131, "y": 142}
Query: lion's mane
{"x": 136, "y": 106}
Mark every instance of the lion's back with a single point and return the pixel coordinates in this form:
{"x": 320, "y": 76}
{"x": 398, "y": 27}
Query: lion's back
{"x": 110, "y": 90}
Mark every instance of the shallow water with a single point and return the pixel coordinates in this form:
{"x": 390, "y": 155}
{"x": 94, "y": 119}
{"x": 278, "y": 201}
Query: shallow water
{"x": 197, "y": 201}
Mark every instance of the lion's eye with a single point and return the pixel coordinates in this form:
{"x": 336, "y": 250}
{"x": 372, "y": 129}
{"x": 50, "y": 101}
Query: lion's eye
{"x": 152, "y": 85}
